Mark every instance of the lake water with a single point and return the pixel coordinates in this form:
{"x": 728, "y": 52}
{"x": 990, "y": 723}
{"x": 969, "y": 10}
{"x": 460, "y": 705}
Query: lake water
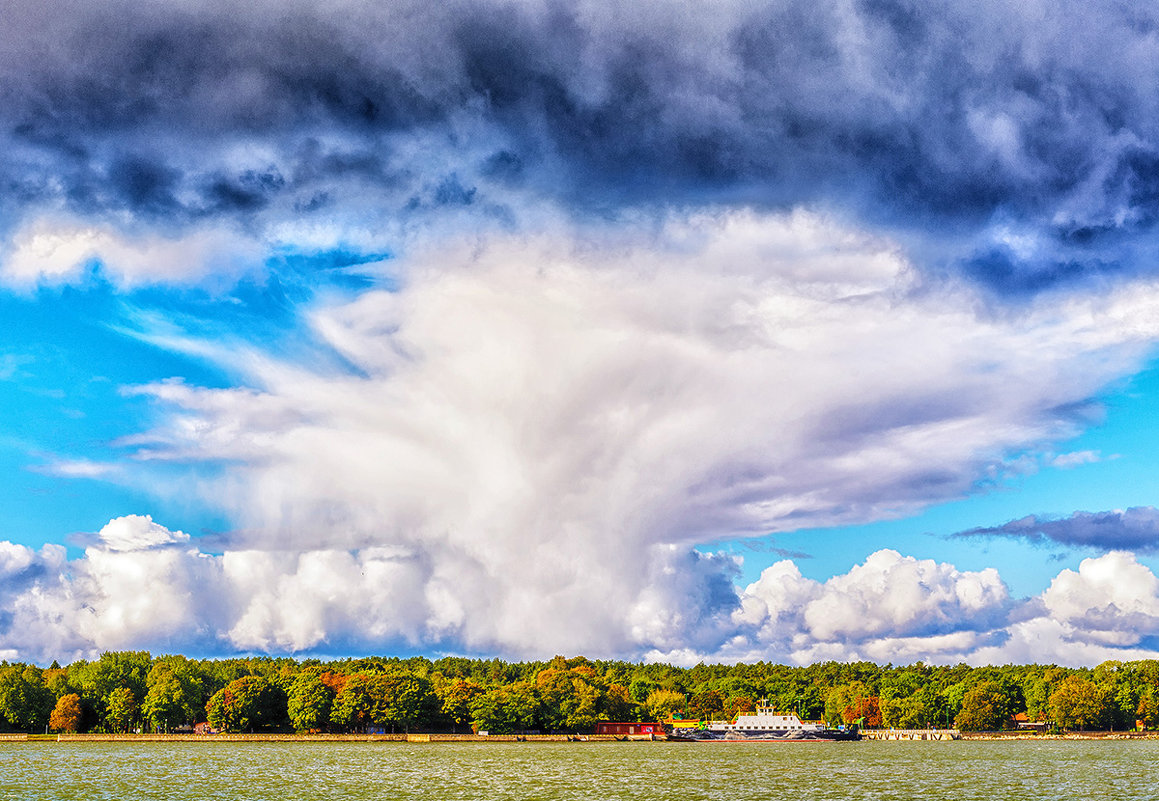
{"x": 955, "y": 771}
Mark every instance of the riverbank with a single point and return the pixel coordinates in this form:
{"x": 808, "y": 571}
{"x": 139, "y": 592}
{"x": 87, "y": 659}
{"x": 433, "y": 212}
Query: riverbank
{"x": 328, "y": 738}
{"x": 881, "y": 735}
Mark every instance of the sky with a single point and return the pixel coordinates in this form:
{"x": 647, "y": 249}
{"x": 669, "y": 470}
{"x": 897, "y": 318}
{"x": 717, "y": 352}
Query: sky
{"x": 733, "y": 331}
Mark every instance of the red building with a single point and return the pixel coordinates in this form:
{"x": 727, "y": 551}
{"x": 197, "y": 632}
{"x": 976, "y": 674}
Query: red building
{"x": 605, "y": 727}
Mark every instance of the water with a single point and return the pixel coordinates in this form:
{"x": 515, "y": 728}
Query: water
{"x": 955, "y": 771}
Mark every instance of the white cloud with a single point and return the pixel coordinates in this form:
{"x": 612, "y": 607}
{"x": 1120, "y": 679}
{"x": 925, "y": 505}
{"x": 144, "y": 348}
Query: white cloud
{"x": 894, "y": 595}
{"x": 55, "y": 251}
{"x": 1107, "y": 609}
{"x": 14, "y": 559}
{"x": 155, "y": 599}
{"x": 890, "y": 608}
{"x": 1112, "y": 598}
{"x": 898, "y": 609}
{"x": 294, "y": 601}
{"x": 1066, "y": 461}
{"x": 77, "y": 468}
{"x": 136, "y": 533}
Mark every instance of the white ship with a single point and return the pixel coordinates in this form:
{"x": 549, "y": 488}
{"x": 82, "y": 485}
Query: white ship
{"x": 766, "y": 724}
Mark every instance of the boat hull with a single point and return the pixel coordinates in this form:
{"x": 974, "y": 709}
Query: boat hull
{"x": 710, "y": 736}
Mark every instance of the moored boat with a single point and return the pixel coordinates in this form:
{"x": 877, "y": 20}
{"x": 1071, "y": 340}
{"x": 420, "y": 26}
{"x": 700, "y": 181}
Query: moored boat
{"x": 765, "y": 724}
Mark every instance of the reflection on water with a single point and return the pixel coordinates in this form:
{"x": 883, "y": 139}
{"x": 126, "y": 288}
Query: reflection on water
{"x": 955, "y": 771}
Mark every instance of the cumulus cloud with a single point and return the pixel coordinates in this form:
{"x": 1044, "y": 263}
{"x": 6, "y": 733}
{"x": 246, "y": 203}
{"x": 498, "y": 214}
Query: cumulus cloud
{"x": 1020, "y": 144}
{"x": 1107, "y": 609}
{"x": 903, "y": 597}
{"x": 890, "y": 608}
{"x": 1112, "y": 597}
{"x": 137, "y": 533}
{"x": 921, "y": 610}
{"x": 1134, "y": 529}
{"x": 144, "y": 586}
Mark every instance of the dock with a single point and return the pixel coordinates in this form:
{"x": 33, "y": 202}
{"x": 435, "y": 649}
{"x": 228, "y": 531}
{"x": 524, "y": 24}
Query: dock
{"x": 911, "y": 734}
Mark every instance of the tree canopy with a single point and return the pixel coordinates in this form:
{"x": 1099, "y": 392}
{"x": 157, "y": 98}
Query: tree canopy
{"x": 124, "y": 690}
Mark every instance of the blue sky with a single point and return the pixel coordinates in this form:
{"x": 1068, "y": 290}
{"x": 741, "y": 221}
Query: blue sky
{"x": 773, "y": 331}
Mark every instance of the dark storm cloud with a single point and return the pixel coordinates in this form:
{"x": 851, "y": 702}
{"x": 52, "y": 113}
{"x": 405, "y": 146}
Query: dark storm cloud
{"x": 1135, "y": 529}
{"x": 952, "y": 121}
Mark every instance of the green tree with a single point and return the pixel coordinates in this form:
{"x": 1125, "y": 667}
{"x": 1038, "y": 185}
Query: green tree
{"x": 1078, "y": 703}
{"x": 639, "y": 689}
{"x": 25, "y": 703}
{"x": 707, "y": 704}
{"x": 174, "y": 696}
{"x": 95, "y": 680}
{"x": 66, "y": 716}
{"x": 121, "y": 710}
{"x": 456, "y": 700}
{"x": 618, "y": 704}
{"x": 662, "y": 704}
{"x": 309, "y": 702}
{"x": 410, "y": 701}
{"x": 985, "y": 707}
{"x": 1036, "y": 690}
{"x": 1123, "y": 686}
{"x": 916, "y": 711}
{"x": 246, "y": 704}
{"x": 397, "y": 700}
{"x": 900, "y": 684}
{"x": 507, "y": 709}
{"x": 572, "y": 699}
{"x": 361, "y": 702}
{"x": 850, "y": 702}
{"x": 56, "y": 680}
{"x": 1148, "y": 708}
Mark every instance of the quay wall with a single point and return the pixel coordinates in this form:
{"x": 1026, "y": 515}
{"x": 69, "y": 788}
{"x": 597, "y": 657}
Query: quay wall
{"x": 333, "y": 738}
{"x": 911, "y": 734}
{"x": 895, "y": 735}
{"x": 1073, "y": 735}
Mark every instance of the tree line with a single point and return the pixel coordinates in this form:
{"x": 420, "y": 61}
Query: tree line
{"x": 135, "y": 691}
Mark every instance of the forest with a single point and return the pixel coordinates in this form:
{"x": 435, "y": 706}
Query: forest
{"x": 125, "y": 691}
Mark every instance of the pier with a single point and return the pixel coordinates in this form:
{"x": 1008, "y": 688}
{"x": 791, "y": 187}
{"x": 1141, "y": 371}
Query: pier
{"x": 911, "y": 734}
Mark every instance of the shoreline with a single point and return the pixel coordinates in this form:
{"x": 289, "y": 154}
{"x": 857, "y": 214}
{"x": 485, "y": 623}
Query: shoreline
{"x": 508, "y": 738}
{"x": 326, "y": 738}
